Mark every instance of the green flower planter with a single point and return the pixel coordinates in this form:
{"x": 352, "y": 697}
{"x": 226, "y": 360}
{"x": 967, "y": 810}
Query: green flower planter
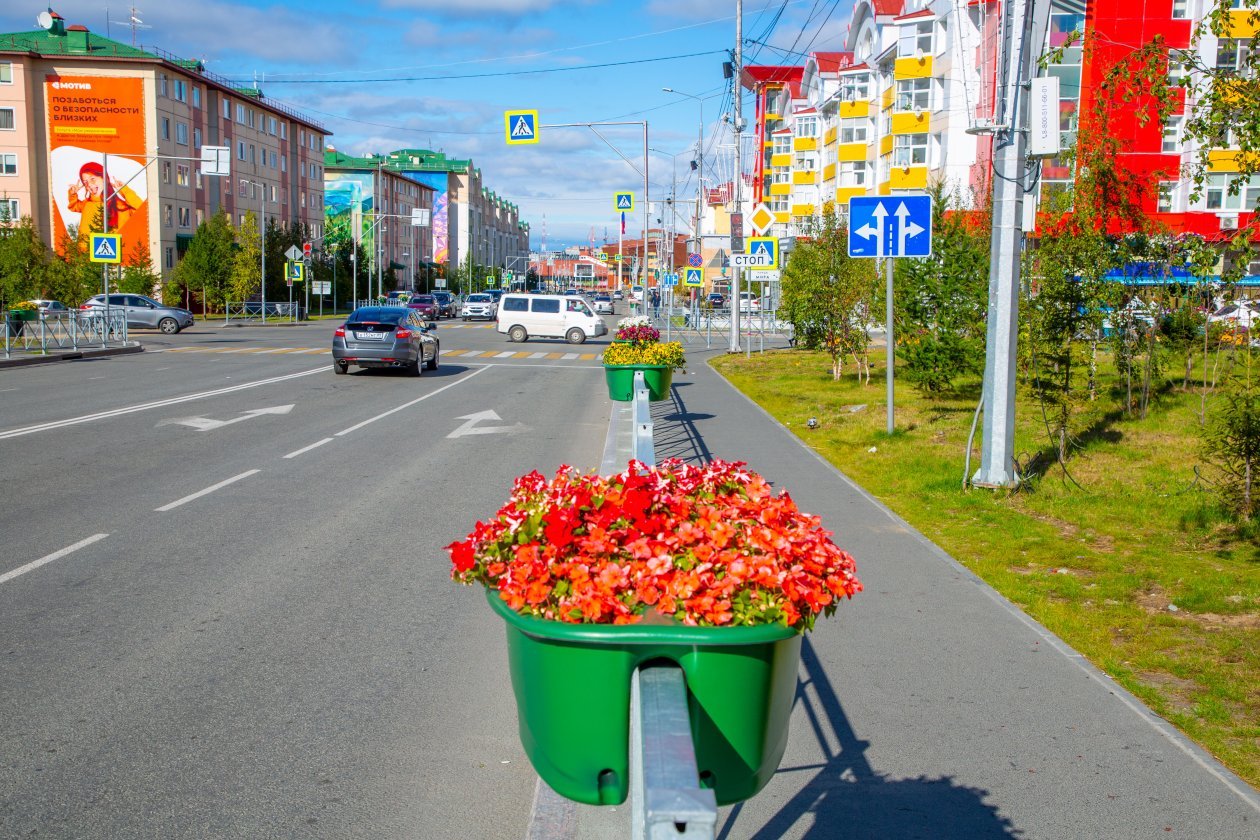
{"x": 572, "y": 686}
{"x": 620, "y": 380}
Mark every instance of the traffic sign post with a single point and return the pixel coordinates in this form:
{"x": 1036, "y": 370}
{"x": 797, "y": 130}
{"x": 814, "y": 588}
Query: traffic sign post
{"x": 693, "y": 277}
{"x": 521, "y": 127}
{"x": 764, "y": 247}
{"x": 623, "y": 202}
{"x": 888, "y": 227}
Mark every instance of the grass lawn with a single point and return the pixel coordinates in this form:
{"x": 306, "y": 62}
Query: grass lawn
{"x": 1129, "y": 560}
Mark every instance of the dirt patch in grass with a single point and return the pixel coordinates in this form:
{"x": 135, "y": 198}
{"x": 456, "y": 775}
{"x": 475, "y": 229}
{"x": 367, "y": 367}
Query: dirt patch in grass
{"x": 1177, "y": 692}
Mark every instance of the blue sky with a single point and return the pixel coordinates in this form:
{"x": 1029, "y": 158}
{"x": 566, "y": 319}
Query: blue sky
{"x": 438, "y": 74}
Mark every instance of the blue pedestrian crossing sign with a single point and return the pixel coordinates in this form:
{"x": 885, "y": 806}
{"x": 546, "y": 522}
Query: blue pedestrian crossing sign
{"x": 693, "y": 277}
{"x": 296, "y": 272}
{"x": 890, "y": 226}
{"x": 767, "y": 247}
{"x": 105, "y": 248}
{"x": 623, "y": 202}
{"x": 521, "y": 127}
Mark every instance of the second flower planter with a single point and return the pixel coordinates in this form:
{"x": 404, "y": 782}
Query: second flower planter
{"x": 572, "y": 687}
{"x": 620, "y": 379}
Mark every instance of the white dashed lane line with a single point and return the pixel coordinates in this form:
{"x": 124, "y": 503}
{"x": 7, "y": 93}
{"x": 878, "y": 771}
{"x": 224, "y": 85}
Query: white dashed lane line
{"x": 56, "y": 555}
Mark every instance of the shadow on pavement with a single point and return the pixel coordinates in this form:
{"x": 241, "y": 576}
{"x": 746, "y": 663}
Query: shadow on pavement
{"x": 674, "y": 430}
{"x": 846, "y": 798}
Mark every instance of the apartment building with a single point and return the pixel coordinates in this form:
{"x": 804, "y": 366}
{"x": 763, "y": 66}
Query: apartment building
{"x": 909, "y": 103}
{"x": 369, "y": 201}
{"x": 470, "y": 219}
{"x": 77, "y": 108}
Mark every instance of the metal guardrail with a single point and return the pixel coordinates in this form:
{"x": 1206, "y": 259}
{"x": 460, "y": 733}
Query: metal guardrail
{"x": 642, "y": 447}
{"x": 70, "y": 331}
{"x": 252, "y": 310}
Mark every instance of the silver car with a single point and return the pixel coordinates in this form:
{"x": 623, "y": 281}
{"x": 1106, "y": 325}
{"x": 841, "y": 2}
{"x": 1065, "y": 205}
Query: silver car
{"x": 479, "y": 305}
{"x": 141, "y": 312}
{"x": 385, "y": 337}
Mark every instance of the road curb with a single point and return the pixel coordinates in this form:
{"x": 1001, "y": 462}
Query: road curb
{"x": 72, "y": 355}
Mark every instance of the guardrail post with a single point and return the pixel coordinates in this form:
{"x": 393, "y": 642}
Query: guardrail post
{"x": 666, "y": 798}
{"x": 642, "y": 447}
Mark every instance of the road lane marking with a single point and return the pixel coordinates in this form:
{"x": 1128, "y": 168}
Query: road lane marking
{"x": 358, "y": 426}
{"x": 117, "y": 412}
{"x": 306, "y": 449}
{"x": 555, "y": 357}
{"x": 506, "y": 354}
{"x": 208, "y": 490}
{"x": 586, "y": 357}
{"x": 569, "y": 357}
{"x": 454, "y": 352}
{"x": 56, "y": 555}
{"x": 538, "y": 355}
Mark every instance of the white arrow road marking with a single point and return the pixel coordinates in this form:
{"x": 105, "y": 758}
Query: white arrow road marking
{"x": 470, "y": 426}
{"x": 205, "y": 424}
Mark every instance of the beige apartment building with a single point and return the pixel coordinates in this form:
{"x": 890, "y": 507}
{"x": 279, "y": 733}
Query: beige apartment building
{"x": 77, "y": 108}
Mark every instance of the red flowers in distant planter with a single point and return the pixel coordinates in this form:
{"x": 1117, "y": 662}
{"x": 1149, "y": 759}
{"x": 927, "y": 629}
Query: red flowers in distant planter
{"x": 709, "y": 545}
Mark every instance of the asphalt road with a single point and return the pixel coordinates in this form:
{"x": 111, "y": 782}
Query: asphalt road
{"x": 225, "y": 609}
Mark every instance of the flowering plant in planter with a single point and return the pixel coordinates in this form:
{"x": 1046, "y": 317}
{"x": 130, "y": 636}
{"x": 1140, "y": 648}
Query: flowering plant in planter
{"x": 25, "y": 306}
{"x": 708, "y": 545}
{"x": 666, "y": 353}
{"x": 637, "y": 328}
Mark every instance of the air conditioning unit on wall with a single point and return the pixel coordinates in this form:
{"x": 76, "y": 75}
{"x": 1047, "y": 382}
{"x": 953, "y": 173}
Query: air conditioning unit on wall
{"x": 1229, "y": 222}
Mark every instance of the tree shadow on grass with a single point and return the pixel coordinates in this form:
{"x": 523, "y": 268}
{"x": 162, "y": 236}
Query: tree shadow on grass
{"x": 847, "y": 799}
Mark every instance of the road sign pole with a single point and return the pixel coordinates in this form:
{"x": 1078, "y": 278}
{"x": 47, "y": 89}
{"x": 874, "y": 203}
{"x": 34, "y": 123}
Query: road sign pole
{"x": 105, "y": 229}
{"x": 888, "y": 334}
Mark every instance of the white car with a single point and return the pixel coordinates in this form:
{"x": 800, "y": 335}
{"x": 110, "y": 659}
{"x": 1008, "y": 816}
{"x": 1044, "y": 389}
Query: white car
{"x": 479, "y": 305}
{"x": 603, "y": 304}
{"x": 749, "y": 302}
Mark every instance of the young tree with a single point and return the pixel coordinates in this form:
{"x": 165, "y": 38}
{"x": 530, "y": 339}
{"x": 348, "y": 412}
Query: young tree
{"x": 138, "y": 276}
{"x": 244, "y": 280}
{"x": 827, "y": 296}
{"x": 24, "y": 261}
{"x": 207, "y": 264}
{"x": 940, "y": 302}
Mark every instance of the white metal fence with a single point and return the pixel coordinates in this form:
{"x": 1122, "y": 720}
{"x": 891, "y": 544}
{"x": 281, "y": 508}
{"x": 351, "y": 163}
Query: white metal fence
{"x": 71, "y": 331}
{"x": 253, "y": 310}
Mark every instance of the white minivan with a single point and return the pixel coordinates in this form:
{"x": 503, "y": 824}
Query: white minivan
{"x": 548, "y": 316}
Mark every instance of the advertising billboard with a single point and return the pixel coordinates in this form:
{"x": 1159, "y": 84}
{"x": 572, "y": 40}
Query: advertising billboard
{"x": 90, "y": 118}
{"x": 348, "y": 208}
{"x": 440, "y": 219}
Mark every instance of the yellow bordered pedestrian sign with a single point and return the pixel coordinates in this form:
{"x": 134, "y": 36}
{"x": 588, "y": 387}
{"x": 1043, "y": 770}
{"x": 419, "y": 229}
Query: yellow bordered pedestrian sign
{"x": 296, "y": 272}
{"x": 521, "y": 127}
{"x": 105, "y": 248}
{"x": 693, "y": 277}
{"x": 623, "y": 202}
{"x": 768, "y": 247}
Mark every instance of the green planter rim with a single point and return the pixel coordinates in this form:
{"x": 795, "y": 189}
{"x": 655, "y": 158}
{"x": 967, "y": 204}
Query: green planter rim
{"x": 638, "y": 367}
{"x": 659, "y": 634}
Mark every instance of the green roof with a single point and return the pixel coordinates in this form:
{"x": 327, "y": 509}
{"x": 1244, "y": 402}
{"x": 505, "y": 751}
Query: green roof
{"x": 73, "y": 42}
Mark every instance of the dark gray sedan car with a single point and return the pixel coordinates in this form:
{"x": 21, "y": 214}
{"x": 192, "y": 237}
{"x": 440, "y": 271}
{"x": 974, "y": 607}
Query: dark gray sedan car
{"x": 385, "y": 337}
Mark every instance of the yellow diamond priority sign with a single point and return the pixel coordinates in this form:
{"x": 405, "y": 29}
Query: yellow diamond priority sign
{"x": 762, "y": 217}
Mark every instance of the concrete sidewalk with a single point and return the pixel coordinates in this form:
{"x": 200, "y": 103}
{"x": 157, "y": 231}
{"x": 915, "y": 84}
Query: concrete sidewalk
{"x": 929, "y": 706}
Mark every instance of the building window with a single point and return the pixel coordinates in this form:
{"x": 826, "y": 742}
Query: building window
{"x": 273, "y": 160}
{"x": 271, "y": 126}
{"x": 240, "y": 190}
{"x": 181, "y": 90}
{"x": 197, "y": 178}
{"x": 782, "y": 144}
{"x": 6, "y": 72}
{"x": 249, "y": 116}
{"x": 201, "y": 217}
{"x": 283, "y": 164}
{"x": 1165, "y": 201}
{"x": 807, "y": 127}
{"x": 162, "y": 84}
{"x": 914, "y": 95}
{"x": 1172, "y": 136}
{"x": 284, "y": 130}
{"x": 853, "y": 173}
{"x": 915, "y": 40}
{"x": 1233, "y": 55}
{"x": 166, "y": 128}
{"x": 273, "y": 193}
{"x": 252, "y": 154}
{"x": 853, "y": 131}
{"x": 910, "y": 149}
{"x": 196, "y": 138}
{"x": 168, "y": 215}
{"x": 1180, "y": 9}
{"x": 182, "y": 173}
{"x": 181, "y": 134}
{"x": 196, "y": 92}
{"x": 227, "y": 109}
{"x": 9, "y": 209}
{"x": 1220, "y": 186}
{"x": 240, "y": 149}
{"x": 805, "y": 164}
{"x": 855, "y": 88}
{"x": 185, "y": 217}
{"x": 240, "y": 113}
{"x": 170, "y": 257}
{"x": 166, "y": 172}
{"x": 7, "y": 119}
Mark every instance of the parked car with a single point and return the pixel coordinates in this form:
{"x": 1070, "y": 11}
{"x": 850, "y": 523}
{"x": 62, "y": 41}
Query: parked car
{"x": 50, "y": 308}
{"x": 603, "y": 304}
{"x": 448, "y": 307}
{"x": 385, "y": 337}
{"x": 617, "y": 295}
{"x": 142, "y": 312}
{"x": 717, "y": 300}
{"x": 495, "y": 293}
{"x": 479, "y": 305}
{"x": 426, "y": 305}
{"x": 749, "y": 302}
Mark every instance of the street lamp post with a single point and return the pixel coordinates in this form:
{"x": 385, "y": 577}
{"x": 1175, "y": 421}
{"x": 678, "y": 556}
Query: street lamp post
{"x": 262, "y": 239}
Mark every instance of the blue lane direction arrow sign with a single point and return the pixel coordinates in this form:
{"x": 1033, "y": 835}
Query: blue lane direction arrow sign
{"x": 105, "y": 248}
{"x": 521, "y": 127}
{"x": 890, "y": 226}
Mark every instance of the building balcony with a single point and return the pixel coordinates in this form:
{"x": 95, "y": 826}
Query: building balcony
{"x": 804, "y": 144}
{"x": 911, "y": 122}
{"x": 854, "y": 110}
{"x": 908, "y": 178}
{"x": 843, "y": 194}
{"x": 913, "y": 68}
{"x": 805, "y": 177}
{"x": 849, "y": 152}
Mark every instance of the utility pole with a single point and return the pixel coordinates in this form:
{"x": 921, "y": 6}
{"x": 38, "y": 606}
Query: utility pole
{"x": 1024, "y": 25}
{"x": 739, "y": 168}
